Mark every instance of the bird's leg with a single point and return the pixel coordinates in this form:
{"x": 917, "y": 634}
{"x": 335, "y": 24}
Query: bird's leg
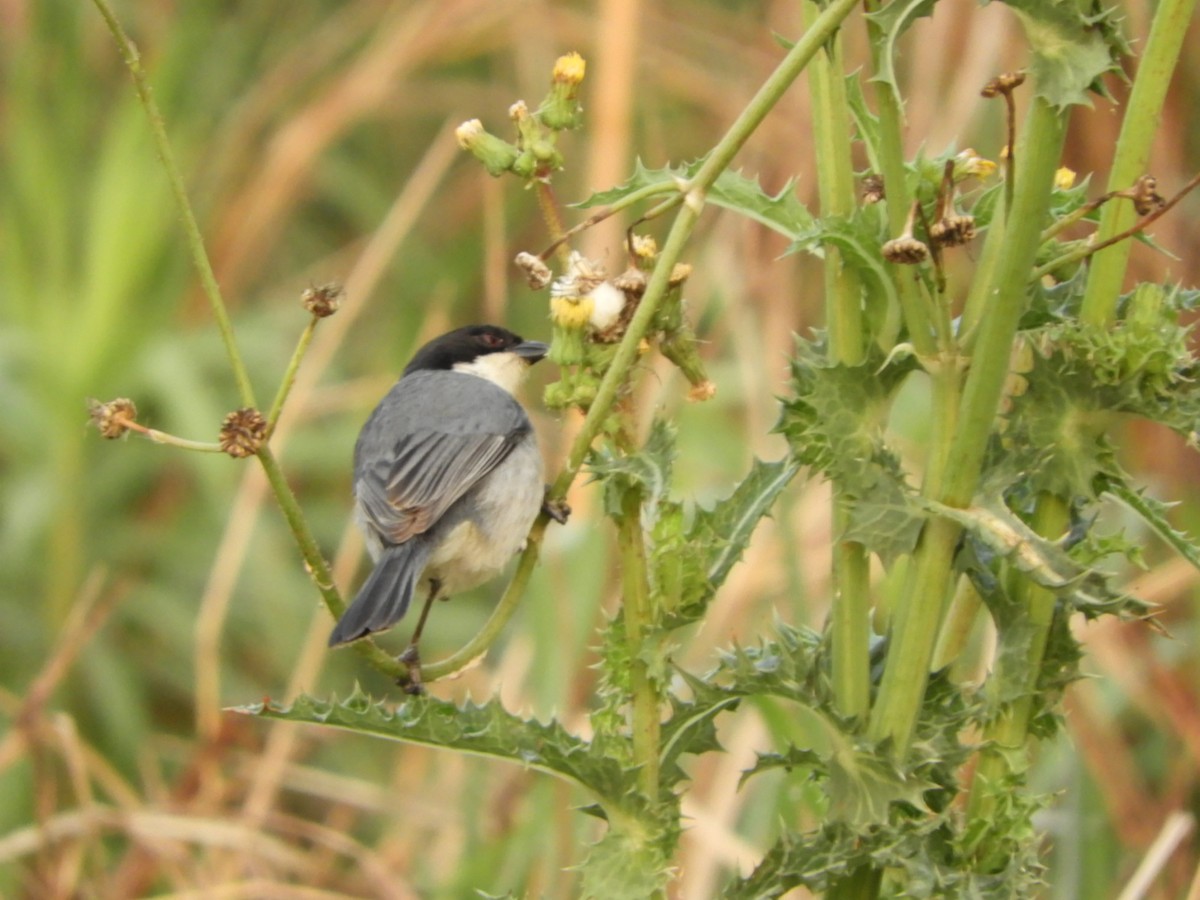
{"x": 411, "y": 656}
{"x": 558, "y": 510}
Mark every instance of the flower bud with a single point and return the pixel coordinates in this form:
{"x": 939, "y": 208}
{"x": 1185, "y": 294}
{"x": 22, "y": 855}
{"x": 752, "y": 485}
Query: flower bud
{"x": 497, "y": 156}
{"x": 561, "y": 110}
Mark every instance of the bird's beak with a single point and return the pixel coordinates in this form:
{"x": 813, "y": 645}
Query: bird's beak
{"x": 531, "y": 351}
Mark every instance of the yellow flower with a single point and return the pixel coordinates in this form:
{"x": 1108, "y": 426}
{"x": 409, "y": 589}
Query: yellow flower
{"x": 1064, "y": 178}
{"x": 569, "y": 69}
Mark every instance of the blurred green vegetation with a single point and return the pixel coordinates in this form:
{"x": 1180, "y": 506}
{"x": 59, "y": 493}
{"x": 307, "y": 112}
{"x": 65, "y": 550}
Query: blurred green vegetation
{"x": 298, "y": 127}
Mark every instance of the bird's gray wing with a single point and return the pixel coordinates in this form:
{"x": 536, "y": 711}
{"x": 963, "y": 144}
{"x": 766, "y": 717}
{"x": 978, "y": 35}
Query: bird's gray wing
{"x": 403, "y": 492}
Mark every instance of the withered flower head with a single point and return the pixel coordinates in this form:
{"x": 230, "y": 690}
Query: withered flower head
{"x": 872, "y": 189}
{"x": 243, "y": 432}
{"x": 323, "y": 300}
{"x": 537, "y": 273}
{"x": 679, "y": 274}
{"x": 1005, "y": 83}
{"x": 905, "y": 250}
{"x": 1146, "y": 198}
{"x": 952, "y": 231}
{"x": 632, "y": 281}
{"x": 112, "y": 418}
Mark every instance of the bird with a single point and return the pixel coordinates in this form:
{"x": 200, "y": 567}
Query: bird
{"x": 448, "y": 479}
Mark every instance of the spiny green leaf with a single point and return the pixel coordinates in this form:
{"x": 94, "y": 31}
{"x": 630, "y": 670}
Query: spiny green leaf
{"x": 860, "y": 241}
{"x": 485, "y": 730}
{"x": 1074, "y": 42}
{"x": 1002, "y": 534}
{"x": 782, "y": 211}
{"x": 835, "y": 423}
{"x": 649, "y": 470}
{"x": 860, "y": 782}
{"x": 892, "y": 20}
{"x": 619, "y": 867}
{"x": 690, "y": 562}
{"x": 690, "y": 728}
{"x": 1153, "y": 513}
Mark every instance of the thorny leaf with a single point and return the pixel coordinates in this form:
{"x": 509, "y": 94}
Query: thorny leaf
{"x": 782, "y": 212}
{"x": 483, "y": 729}
{"x": 690, "y": 561}
{"x": 892, "y": 20}
{"x": 619, "y": 868}
{"x": 1002, "y": 535}
{"x": 835, "y": 424}
{"x": 1074, "y": 42}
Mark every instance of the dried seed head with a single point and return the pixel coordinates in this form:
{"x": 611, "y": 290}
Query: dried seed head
{"x": 952, "y": 231}
{"x": 243, "y": 432}
{"x": 644, "y": 246}
{"x": 323, "y": 300}
{"x": 872, "y": 189}
{"x": 581, "y": 277}
{"x": 705, "y": 390}
{"x": 608, "y": 303}
{"x": 632, "y": 281}
{"x": 679, "y": 274}
{"x": 905, "y": 250}
{"x": 1005, "y": 83}
{"x": 1146, "y": 198}
{"x": 537, "y": 273}
{"x": 1064, "y": 178}
{"x": 112, "y": 418}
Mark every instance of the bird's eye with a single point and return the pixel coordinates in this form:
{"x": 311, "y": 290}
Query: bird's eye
{"x": 491, "y": 340}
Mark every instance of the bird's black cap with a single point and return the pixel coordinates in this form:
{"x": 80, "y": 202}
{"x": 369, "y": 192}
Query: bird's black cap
{"x": 469, "y": 343}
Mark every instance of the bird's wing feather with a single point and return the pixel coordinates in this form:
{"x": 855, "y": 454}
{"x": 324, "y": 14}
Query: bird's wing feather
{"x": 404, "y": 491}
{"x": 429, "y": 471}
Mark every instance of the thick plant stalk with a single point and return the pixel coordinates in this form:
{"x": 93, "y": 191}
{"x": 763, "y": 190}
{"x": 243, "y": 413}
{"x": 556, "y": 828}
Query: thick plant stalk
{"x": 850, "y": 617}
{"x": 1007, "y": 733}
{"x": 1107, "y": 270}
{"x": 639, "y": 618}
{"x": 920, "y": 608}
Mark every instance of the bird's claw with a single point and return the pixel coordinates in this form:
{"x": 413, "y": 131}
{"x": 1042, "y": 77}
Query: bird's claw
{"x": 411, "y": 682}
{"x": 558, "y": 510}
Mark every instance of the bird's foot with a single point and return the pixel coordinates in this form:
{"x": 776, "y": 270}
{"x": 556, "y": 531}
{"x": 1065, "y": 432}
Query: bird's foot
{"x": 558, "y": 510}
{"x": 411, "y": 682}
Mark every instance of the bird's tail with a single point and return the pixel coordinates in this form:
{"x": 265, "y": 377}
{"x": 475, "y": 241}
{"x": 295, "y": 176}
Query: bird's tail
{"x": 384, "y": 597}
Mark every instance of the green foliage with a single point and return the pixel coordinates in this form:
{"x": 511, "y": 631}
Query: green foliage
{"x": 1073, "y": 42}
{"x": 484, "y": 729}
{"x": 835, "y": 423}
{"x": 885, "y": 808}
{"x": 782, "y": 212}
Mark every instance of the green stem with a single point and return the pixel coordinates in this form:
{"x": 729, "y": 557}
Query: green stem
{"x": 479, "y": 644}
{"x": 1107, "y": 271}
{"x": 1018, "y": 666}
{"x": 898, "y": 198}
{"x": 953, "y": 476}
{"x": 318, "y": 568}
{"x": 289, "y": 375}
{"x": 638, "y": 615}
{"x": 694, "y": 197}
{"x": 208, "y": 279}
{"x": 850, "y": 627}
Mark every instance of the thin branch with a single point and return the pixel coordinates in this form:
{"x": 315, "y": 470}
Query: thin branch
{"x": 195, "y": 241}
